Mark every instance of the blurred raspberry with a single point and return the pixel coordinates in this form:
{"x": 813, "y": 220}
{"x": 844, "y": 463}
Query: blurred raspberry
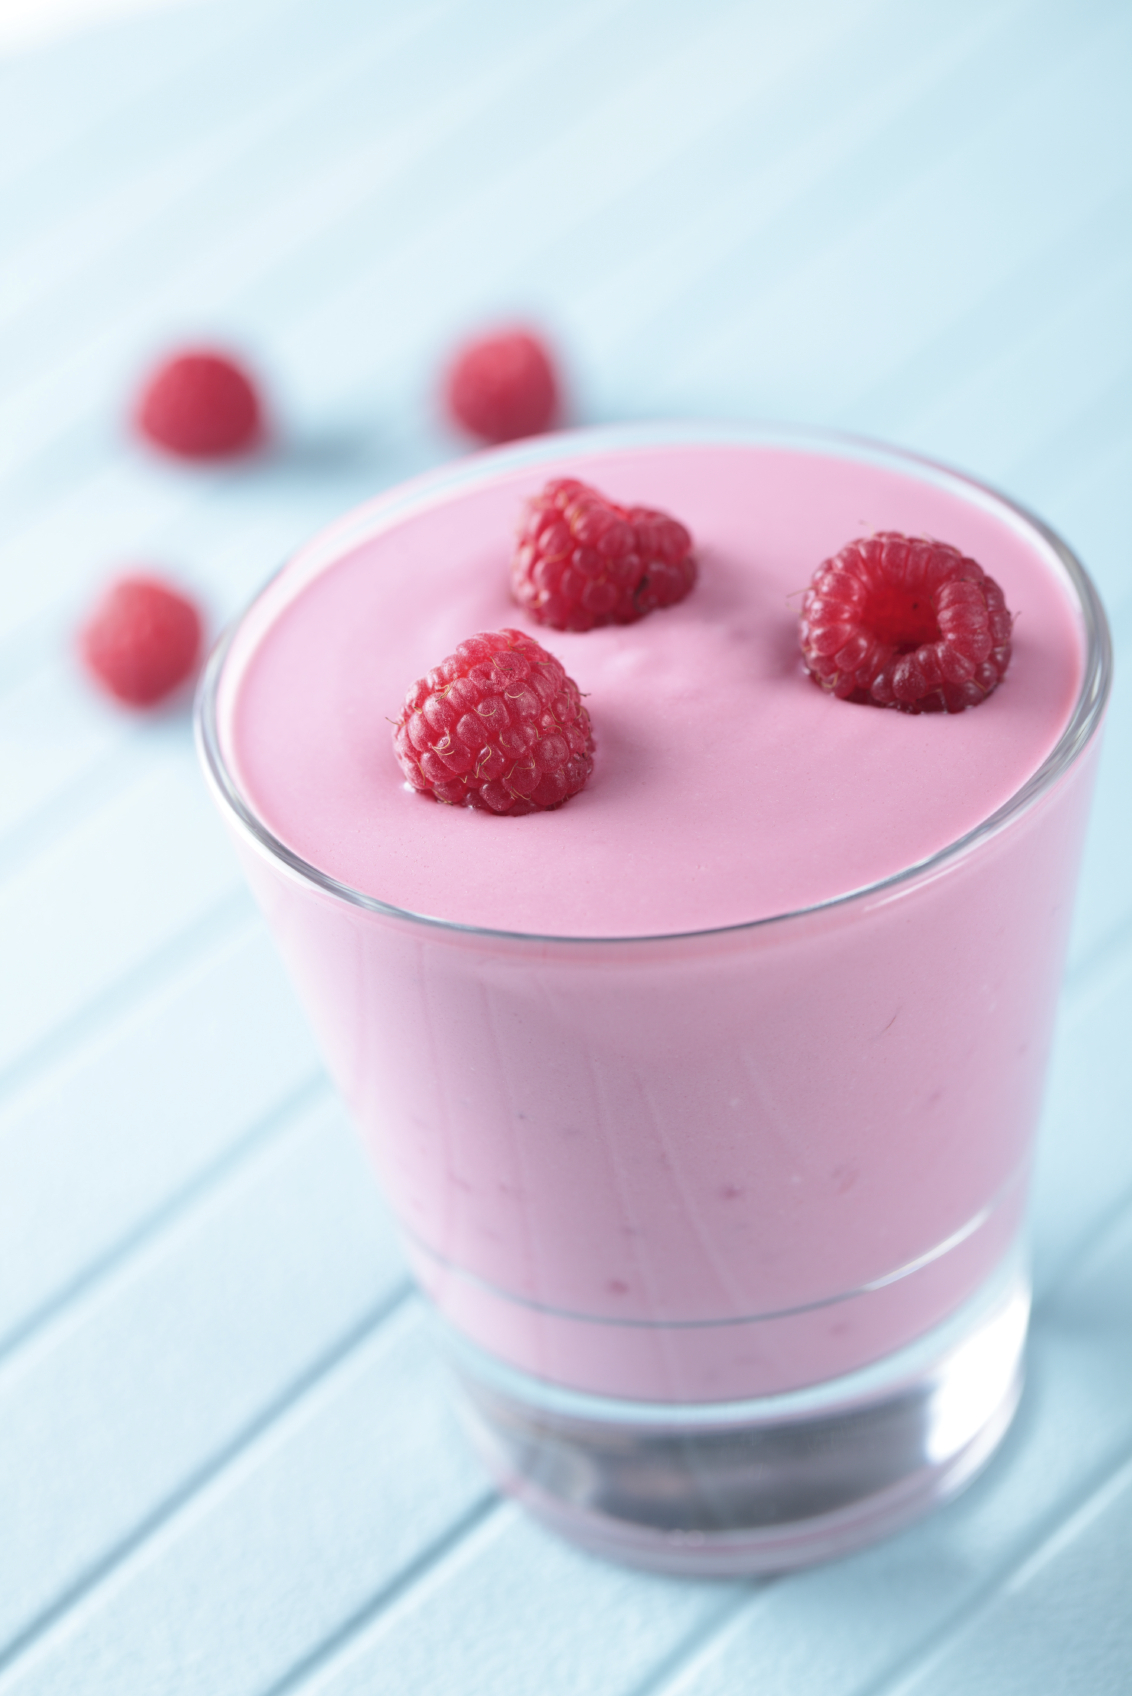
{"x": 498, "y": 725}
{"x": 141, "y": 641}
{"x": 200, "y": 404}
{"x": 897, "y": 622}
{"x": 582, "y": 561}
{"x": 502, "y": 387}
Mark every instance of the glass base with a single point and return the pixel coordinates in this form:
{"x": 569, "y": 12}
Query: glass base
{"x": 724, "y": 1489}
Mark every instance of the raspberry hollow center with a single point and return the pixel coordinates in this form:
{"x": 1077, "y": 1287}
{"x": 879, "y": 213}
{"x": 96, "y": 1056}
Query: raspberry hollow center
{"x": 898, "y": 621}
{"x": 904, "y": 619}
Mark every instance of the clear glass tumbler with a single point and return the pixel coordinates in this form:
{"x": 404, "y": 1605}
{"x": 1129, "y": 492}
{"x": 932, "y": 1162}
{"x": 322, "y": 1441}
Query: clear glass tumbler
{"x": 828, "y": 1305}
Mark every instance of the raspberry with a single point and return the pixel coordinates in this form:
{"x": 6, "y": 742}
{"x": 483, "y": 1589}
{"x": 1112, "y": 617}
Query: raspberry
{"x": 142, "y": 640}
{"x": 200, "y": 405}
{"x": 502, "y": 387}
{"x": 582, "y": 561}
{"x": 899, "y": 622}
{"x": 497, "y": 725}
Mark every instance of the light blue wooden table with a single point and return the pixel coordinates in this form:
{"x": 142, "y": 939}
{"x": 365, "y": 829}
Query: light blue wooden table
{"x": 227, "y": 1466}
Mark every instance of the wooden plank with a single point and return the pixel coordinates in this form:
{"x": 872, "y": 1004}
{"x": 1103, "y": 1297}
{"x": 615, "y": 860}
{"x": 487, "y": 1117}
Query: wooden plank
{"x": 522, "y": 219}
{"x": 514, "y": 1609}
{"x": 1010, "y": 411}
{"x": 1061, "y": 1624}
{"x": 51, "y": 736}
{"x": 132, "y": 878}
{"x": 154, "y": 232}
{"x": 253, "y": 231}
{"x": 840, "y": 268}
{"x": 54, "y": 101}
{"x": 155, "y": 1379}
{"x": 139, "y": 1119}
{"x": 297, "y": 60}
{"x": 363, "y": 1482}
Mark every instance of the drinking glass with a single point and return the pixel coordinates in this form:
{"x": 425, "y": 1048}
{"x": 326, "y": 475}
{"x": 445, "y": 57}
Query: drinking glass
{"x": 722, "y": 1232}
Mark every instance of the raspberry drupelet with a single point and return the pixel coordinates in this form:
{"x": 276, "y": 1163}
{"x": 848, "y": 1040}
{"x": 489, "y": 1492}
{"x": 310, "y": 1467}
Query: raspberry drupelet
{"x": 895, "y": 621}
{"x": 497, "y": 725}
{"x": 583, "y": 561}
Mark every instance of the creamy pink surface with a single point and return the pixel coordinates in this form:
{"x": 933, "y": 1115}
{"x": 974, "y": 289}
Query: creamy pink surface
{"x": 726, "y": 787}
{"x": 670, "y": 1168}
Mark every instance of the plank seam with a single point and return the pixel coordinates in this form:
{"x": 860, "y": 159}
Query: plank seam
{"x": 483, "y": 1509}
{"x": 523, "y": 62}
{"x": 99, "y": 783}
{"x": 114, "y": 1000}
{"x": 703, "y": 1642}
{"x": 65, "y": 145}
{"x": 42, "y": 1625}
{"x": 1090, "y": 1241}
{"x": 1011, "y": 1576}
{"x": 203, "y": 1187}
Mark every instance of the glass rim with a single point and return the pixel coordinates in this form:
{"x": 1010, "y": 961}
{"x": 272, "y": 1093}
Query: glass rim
{"x": 390, "y": 507}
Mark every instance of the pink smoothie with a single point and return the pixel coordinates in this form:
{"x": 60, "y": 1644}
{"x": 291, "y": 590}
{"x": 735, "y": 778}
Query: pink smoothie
{"x": 667, "y": 1151}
